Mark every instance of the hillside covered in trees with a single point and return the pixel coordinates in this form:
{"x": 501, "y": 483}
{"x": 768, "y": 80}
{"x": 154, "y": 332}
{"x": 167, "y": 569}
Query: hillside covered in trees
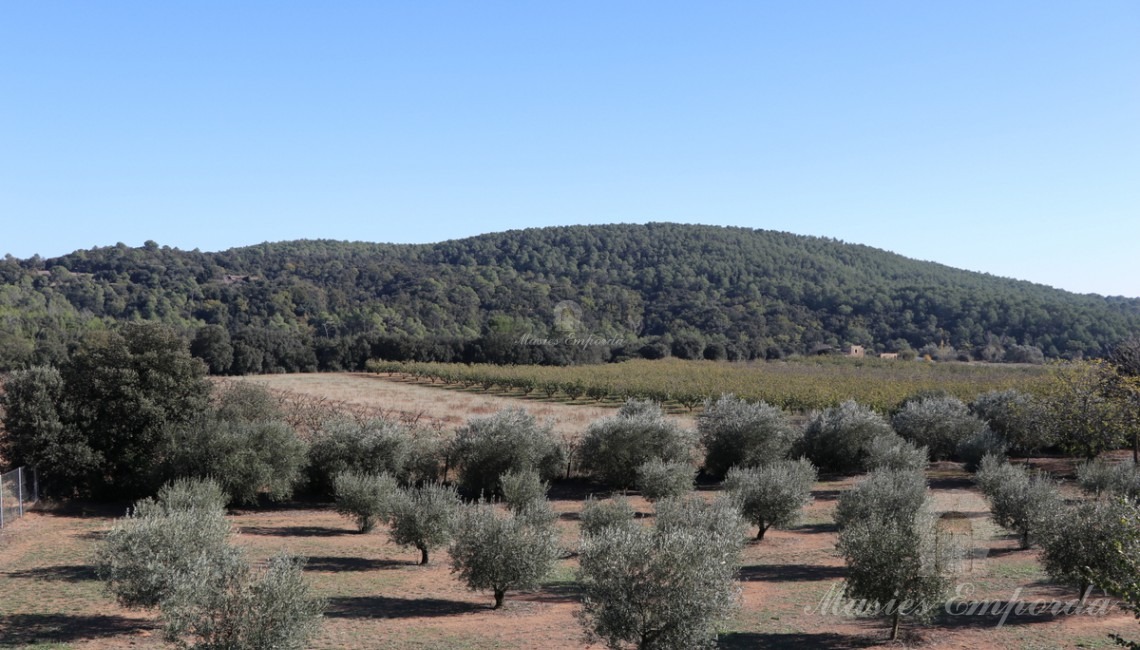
{"x": 650, "y": 290}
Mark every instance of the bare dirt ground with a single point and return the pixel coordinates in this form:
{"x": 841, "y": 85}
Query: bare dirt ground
{"x": 378, "y": 598}
{"x": 435, "y": 404}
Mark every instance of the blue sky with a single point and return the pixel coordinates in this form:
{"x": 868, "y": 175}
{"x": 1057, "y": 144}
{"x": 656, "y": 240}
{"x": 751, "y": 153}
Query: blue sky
{"x": 995, "y": 136}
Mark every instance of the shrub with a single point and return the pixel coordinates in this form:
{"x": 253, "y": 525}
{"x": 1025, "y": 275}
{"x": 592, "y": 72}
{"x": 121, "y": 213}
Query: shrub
{"x": 894, "y": 453}
{"x": 894, "y": 560}
{"x": 1017, "y": 417}
{"x": 508, "y": 440}
{"x": 229, "y": 605}
{"x": 883, "y": 494}
{"x": 367, "y": 498}
{"x": 500, "y": 552}
{"x": 838, "y": 439}
{"x": 657, "y": 479}
{"x": 746, "y": 434}
{"x": 614, "y": 447}
{"x": 523, "y": 489}
{"x": 984, "y": 443}
{"x": 1102, "y": 477}
{"x": 1084, "y": 539}
{"x": 597, "y": 515}
{"x": 247, "y": 458}
{"x": 939, "y": 423}
{"x": 340, "y": 445}
{"x": 1019, "y": 501}
{"x": 425, "y": 517}
{"x": 657, "y": 588}
{"x": 772, "y": 495}
{"x": 162, "y": 538}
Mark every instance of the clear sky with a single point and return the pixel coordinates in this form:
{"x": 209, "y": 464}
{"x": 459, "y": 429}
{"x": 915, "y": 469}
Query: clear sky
{"x": 995, "y": 136}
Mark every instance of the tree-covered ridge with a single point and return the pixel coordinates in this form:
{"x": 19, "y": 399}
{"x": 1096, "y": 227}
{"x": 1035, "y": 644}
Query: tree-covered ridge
{"x": 664, "y": 288}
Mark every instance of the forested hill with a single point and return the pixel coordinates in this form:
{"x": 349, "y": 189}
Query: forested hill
{"x": 685, "y": 290}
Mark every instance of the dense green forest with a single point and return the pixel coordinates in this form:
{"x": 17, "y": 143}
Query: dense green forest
{"x": 650, "y": 290}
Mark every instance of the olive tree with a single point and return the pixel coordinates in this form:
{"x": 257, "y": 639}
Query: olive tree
{"x": 424, "y": 517}
{"x": 230, "y": 605}
{"x": 367, "y": 498}
{"x": 893, "y": 452}
{"x": 1020, "y": 501}
{"x": 984, "y": 443}
{"x": 657, "y": 589}
{"x": 1082, "y": 540}
{"x": 522, "y": 489}
{"x": 837, "y": 439}
{"x": 614, "y": 447}
{"x": 161, "y": 538}
{"x": 772, "y": 495}
{"x": 1017, "y": 417}
{"x": 899, "y": 565}
{"x": 736, "y": 432}
{"x": 248, "y": 459}
{"x": 342, "y": 444}
{"x": 882, "y": 494}
{"x": 940, "y": 423}
{"x": 498, "y": 551}
{"x": 657, "y": 479}
{"x": 512, "y": 439}
{"x": 596, "y": 515}
{"x": 1102, "y": 477}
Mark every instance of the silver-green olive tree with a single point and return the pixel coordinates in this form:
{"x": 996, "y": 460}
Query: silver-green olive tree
{"x": 771, "y": 495}
{"x": 739, "y": 433}
{"x": 668, "y": 586}
{"x": 424, "y": 517}
{"x": 501, "y": 551}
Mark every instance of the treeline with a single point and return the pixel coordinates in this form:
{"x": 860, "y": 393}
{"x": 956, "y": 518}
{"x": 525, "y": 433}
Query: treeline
{"x": 643, "y": 290}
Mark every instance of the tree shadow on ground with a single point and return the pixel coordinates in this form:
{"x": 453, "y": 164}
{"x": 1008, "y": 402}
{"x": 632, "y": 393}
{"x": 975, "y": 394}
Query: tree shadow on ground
{"x": 826, "y": 495}
{"x": 59, "y": 573}
{"x": 386, "y": 607}
{"x": 556, "y": 592}
{"x": 335, "y": 564}
{"x": 817, "y": 528}
{"x": 19, "y": 630}
{"x": 297, "y": 531}
{"x": 792, "y": 641}
{"x": 989, "y": 614}
{"x": 791, "y": 572}
{"x": 950, "y": 482}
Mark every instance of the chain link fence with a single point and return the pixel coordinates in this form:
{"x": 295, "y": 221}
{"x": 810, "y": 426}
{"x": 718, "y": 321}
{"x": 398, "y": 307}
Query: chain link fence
{"x": 19, "y": 489}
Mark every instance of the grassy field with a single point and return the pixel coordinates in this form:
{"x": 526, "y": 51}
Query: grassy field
{"x": 800, "y": 385}
{"x": 378, "y": 597}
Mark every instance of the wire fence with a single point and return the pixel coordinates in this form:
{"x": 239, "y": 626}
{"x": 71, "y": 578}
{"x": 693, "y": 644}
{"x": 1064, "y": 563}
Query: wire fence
{"x": 19, "y": 489}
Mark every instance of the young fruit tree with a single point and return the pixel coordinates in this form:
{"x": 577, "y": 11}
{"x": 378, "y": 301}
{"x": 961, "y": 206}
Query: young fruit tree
{"x": 499, "y": 551}
{"x": 523, "y": 488}
{"x": 900, "y": 566}
{"x": 837, "y": 439}
{"x": 597, "y": 515}
{"x": 424, "y": 517}
{"x": 771, "y": 495}
{"x": 511, "y": 439}
{"x": 1083, "y": 539}
{"x": 939, "y": 423}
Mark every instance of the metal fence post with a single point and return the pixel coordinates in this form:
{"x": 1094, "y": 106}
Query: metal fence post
{"x": 20, "y": 489}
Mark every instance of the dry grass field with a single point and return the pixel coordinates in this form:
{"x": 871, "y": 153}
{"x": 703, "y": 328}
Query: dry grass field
{"x": 378, "y": 598}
